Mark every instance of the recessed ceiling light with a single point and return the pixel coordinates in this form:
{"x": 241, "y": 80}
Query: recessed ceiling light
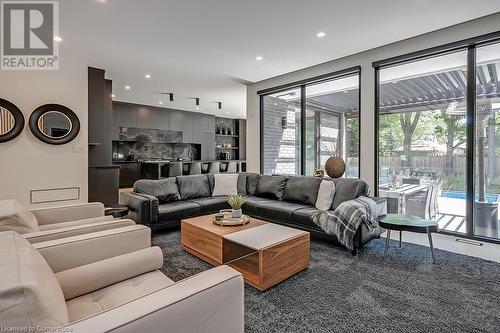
{"x": 258, "y": 58}
{"x": 58, "y": 39}
{"x": 113, "y": 96}
{"x": 127, "y": 87}
{"x": 321, "y": 34}
{"x": 147, "y": 76}
{"x": 227, "y": 112}
{"x": 160, "y": 102}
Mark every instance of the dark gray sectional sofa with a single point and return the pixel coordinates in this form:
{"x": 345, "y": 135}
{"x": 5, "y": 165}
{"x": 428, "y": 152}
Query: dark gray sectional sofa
{"x": 287, "y": 200}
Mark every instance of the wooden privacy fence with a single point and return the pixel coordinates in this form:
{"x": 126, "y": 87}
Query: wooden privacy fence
{"x": 434, "y": 164}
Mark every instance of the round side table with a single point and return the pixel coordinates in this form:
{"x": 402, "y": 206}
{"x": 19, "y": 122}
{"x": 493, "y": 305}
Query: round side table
{"x": 402, "y": 222}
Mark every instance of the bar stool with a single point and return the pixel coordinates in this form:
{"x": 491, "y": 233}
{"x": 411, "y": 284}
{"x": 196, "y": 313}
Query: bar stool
{"x": 213, "y": 167}
{"x": 194, "y": 168}
{"x": 175, "y": 169}
{"x": 204, "y": 167}
{"x": 232, "y": 167}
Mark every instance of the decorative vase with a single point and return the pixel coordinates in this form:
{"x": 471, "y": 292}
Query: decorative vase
{"x": 335, "y": 167}
{"x": 236, "y": 213}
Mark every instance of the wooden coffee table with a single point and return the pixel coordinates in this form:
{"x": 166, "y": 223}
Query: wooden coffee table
{"x": 264, "y": 253}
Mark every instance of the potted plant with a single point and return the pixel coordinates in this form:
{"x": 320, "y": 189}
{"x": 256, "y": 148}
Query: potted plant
{"x": 236, "y": 201}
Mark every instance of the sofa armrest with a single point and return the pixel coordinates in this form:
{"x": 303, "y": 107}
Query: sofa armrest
{"x": 70, "y": 252}
{"x": 186, "y": 306}
{"x": 48, "y": 235}
{"x": 58, "y": 214}
{"x": 88, "y": 278}
{"x": 143, "y": 208}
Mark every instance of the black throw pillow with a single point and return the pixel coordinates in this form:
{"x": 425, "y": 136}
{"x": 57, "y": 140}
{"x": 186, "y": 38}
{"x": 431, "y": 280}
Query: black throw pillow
{"x": 271, "y": 186}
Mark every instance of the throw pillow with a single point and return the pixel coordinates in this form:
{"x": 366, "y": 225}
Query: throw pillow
{"x": 326, "y": 193}
{"x": 15, "y": 217}
{"x": 271, "y": 186}
{"x": 225, "y": 184}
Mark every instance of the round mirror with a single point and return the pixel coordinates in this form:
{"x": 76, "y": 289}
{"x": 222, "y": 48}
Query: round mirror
{"x": 54, "y": 124}
{"x": 11, "y": 121}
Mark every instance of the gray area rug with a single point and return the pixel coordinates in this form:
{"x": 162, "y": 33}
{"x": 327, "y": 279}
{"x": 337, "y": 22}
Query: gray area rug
{"x": 403, "y": 292}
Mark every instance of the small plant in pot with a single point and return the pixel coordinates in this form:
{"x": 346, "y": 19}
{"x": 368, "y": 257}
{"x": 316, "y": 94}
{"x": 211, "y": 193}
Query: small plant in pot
{"x": 236, "y": 201}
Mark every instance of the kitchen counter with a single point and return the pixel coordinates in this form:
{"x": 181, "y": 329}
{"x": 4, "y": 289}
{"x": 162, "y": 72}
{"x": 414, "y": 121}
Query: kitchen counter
{"x": 172, "y": 161}
{"x": 131, "y": 171}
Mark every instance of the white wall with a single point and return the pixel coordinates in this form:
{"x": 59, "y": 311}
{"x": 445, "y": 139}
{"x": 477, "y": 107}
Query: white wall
{"x": 455, "y": 33}
{"x": 27, "y": 163}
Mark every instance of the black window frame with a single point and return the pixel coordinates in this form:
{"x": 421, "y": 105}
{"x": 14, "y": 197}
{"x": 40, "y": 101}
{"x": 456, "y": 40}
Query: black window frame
{"x": 469, "y": 45}
{"x": 302, "y": 84}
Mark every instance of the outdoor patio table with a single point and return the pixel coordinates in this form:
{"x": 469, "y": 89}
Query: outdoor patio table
{"x": 400, "y": 193}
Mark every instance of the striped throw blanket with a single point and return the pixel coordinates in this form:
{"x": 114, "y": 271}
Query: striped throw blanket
{"x": 344, "y": 221}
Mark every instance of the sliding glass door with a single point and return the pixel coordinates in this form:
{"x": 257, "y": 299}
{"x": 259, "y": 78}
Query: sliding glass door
{"x": 438, "y": 138}
{"x": 423, "y": 140}
{"x": 487, "y": 142}
{"x": 328, "y": 110}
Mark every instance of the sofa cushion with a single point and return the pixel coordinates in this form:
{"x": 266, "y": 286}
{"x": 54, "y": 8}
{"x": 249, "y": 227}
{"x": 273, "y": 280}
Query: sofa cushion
{"x": 326, "y": 193}
{"x": 252, "y": 203}
{"x": 303, "y": 189}
{"x": 174, "y": 211}
{"x": 252, "y": 181}
{"x": 116, "y": 294}
{"x": 303, "y": 217}
{"x": 195, "y": 186}
{"x": 30, "y": 294}
{"x": 279, "y": 210}
{"x": 348, "y": 189}
{"x": 16, "y": 217}
{"x": 225, "y": 184}
{"x": 164, "y": 189}
{"x": 271, "y": 186}
{"x": 211, "y": 204}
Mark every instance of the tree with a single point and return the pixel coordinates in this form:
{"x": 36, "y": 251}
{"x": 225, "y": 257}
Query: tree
{"x": 454, "y": 133}
{"x": 408, "y": 126}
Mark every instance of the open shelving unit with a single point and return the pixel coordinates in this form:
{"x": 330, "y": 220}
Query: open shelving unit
{"x": 222, "y": 139}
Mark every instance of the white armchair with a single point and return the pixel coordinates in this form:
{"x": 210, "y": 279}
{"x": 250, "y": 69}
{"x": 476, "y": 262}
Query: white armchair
{"x": 43, "y": 224}
{"x": 119, "y": 293}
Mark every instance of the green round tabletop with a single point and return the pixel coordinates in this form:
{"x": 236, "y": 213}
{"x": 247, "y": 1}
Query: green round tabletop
{"x": 407, "y": 223}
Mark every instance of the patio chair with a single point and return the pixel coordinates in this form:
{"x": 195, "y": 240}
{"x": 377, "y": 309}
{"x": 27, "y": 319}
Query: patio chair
{"x": 423, "y": 203}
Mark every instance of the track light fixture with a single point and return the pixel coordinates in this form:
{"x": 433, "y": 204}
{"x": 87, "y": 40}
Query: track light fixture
{"x": 219, "y": 105}
{"x": 196, "y": 102}
{"x": 171, "y": 96}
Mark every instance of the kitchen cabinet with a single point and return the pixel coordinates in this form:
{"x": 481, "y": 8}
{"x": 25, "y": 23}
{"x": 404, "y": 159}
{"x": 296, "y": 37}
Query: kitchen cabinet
{"x": 175, "y": 120}
{"x": 208, "y": 146}
{"x": 144, "y": 117}
{"x": 187, "y": 127}
{"x": 130, "y": 172}
{"x": 127, "y": 117}
{"x": 160, "y": 119}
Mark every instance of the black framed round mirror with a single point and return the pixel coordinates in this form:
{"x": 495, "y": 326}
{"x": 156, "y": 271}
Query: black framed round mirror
{"x": 54, "y": 124}
{"x": 11, "y": 121}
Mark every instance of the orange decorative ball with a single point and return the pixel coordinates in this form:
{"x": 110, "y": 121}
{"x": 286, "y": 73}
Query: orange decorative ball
{"x": 335, "y": 167}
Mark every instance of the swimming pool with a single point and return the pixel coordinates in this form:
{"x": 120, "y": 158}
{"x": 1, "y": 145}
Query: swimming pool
{"x": 461, "y": 195}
